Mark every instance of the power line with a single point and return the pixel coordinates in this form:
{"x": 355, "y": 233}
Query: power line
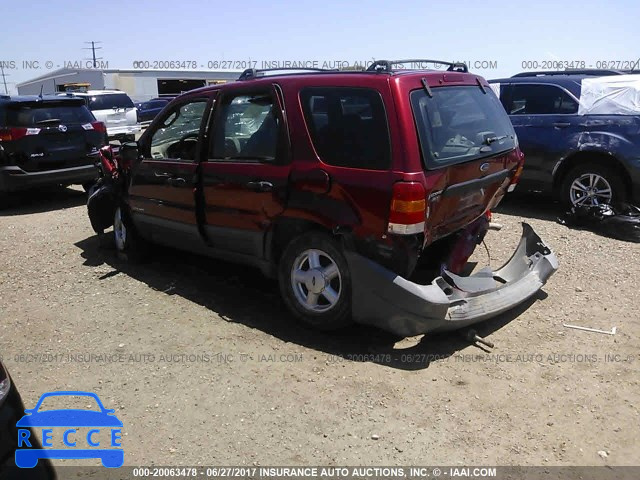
{"x": 93, "y": 49}
{"x": 4, "y": 78}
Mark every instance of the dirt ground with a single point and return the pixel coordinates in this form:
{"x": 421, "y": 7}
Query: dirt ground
{"x": 205, "y": 367}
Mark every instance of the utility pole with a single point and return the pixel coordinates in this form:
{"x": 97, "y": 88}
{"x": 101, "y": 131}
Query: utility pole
{"x": 4, "y": 77}
{"x": 93, "y": 49}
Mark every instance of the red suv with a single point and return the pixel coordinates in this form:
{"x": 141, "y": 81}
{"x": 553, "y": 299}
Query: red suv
{"x": 340, "y": 184}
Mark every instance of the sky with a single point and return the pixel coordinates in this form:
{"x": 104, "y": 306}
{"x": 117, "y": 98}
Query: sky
{"x": 497, "y": 38}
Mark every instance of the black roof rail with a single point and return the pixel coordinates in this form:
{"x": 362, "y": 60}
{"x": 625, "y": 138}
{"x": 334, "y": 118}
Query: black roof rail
{"x": 5, "y": 97}
{"x": 386, "y": 66}
{"x": 251, "y": 73}
{"x": 577, "y": 71}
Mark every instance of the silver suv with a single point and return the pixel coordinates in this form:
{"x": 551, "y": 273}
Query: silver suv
{"x": 116, "y": 110}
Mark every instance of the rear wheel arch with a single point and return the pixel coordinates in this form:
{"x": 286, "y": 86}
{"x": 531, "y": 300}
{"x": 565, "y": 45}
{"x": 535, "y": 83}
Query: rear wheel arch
{"x": 285, "y": 230}
{"x": 603, "y": 159}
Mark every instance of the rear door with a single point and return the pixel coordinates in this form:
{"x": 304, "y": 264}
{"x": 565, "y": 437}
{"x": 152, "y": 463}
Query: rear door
{"x": 468, "y": 149}
{"x": 51, "y": 135}
{"x": 161, "y": 194}
{"x": 244, "y": 177}
{"x": 545, "y": 119}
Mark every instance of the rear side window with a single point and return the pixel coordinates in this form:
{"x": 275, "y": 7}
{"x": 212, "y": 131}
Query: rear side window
{"x": 459, "y": 124}
{"x": 31, "y": 115}
{"x": 348, "y": 126}
{"x": 535, "y": 99}
{"x": 106, "y": 102}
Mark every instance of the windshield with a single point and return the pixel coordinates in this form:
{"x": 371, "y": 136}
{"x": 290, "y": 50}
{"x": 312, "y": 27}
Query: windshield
{"x": 42, "y": 114}
{"x": 458, "y": 124}
{"x": 106, "y": 102}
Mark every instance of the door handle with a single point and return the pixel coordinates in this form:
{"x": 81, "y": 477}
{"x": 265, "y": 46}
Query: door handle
{"x": 176, "y": 181}
{"x": 260, "y": 186}
{"x": 562, "y": 124}
{"x": 162, "y": 175}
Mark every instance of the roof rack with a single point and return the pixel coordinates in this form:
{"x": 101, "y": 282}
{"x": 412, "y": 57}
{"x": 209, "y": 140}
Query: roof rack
{"x": 251, "y": 73}
{"x": 577, "y": 71}
{"x": 386, "y": 66}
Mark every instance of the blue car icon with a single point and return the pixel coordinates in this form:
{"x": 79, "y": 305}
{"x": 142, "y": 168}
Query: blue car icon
{"x": 71, "y": 418}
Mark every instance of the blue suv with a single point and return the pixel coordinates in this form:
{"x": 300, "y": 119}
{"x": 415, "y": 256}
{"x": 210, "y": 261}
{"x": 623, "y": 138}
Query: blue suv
{"x": 582, "y": 158}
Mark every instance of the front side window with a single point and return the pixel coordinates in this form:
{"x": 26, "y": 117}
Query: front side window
{"x": 177, "y": 135}
{"x": 459, "y": 124}
{"x": 540, "y": 100}
{"x": 348, "y": 126}
{"x": 248, "y": 128}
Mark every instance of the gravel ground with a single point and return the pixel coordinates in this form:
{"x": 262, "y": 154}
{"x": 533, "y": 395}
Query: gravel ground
{"x": 205, "y": 367}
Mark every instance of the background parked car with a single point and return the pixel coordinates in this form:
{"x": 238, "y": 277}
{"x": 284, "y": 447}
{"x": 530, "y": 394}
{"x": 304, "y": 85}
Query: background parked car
{"x": 47, "y": 140}
{"x": 147, "y": 111}
{"x": 115, "y": 109}
{"x": 581, "y": 157}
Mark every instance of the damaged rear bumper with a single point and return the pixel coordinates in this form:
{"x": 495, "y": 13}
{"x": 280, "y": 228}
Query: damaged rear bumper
{"x": 390, "y": 302}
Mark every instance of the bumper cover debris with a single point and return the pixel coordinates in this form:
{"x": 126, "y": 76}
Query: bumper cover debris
{"x": 393, "y": 303}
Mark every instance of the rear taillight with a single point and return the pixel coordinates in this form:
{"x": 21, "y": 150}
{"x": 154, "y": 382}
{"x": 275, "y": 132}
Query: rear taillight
{"x": 408, "y": 209}
{"x": 11, "y": 134}
{"x": 516, "y": 176}
{"x": 99, "y": 127}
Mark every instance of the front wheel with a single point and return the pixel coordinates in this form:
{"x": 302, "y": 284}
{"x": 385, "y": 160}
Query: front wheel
{"x": 129, "y": 244}
{"x": 315, "y": 281}
{"x": 592, "y": 184}
{"x": 89, "y": 187}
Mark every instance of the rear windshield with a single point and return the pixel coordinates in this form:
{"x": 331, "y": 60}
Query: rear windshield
{"x": 18, "y": 115}
{"x": 459, "y": 124}
{"x": 106, "y": 102}
{"x": 153, "y": 104}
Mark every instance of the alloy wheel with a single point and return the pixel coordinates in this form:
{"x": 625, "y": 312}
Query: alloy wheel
{"x": 590, "y": 189}
{"x": 119, "y": 230}
{"x": 316, "y": 281}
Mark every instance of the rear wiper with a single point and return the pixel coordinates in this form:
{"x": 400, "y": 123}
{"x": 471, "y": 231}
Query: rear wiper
{"x": 49, "y": 120}
{"x": 490, "y": 140}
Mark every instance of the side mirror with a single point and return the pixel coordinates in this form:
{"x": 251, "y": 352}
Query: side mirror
{"x": 129, "y": 152}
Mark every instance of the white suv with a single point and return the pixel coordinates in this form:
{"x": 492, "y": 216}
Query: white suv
{"x": 116, "y": 110}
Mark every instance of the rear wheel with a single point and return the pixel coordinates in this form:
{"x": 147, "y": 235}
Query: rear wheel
{"x": 129, "y": 245}
{"x": 315, "y": 281}
{"x": 592, "y": 184}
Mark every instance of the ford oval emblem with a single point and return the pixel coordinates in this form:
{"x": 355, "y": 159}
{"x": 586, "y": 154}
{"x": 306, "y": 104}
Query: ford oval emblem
{"x": 484, "y": 167}
{"x": 63, "y": 128}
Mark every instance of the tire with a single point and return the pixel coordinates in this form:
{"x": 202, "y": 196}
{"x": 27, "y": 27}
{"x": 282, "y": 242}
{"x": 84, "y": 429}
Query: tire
{"x": 592, "y": 175}
{"x": 329, "y": 306}
{"x": 129, "y": 245}
{"x": 88, "y": 186}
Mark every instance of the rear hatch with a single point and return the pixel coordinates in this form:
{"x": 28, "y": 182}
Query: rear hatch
{"x": 114, "y": 109}
{"x": 46, "y": 134}
{"x": 468, "y": 147}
